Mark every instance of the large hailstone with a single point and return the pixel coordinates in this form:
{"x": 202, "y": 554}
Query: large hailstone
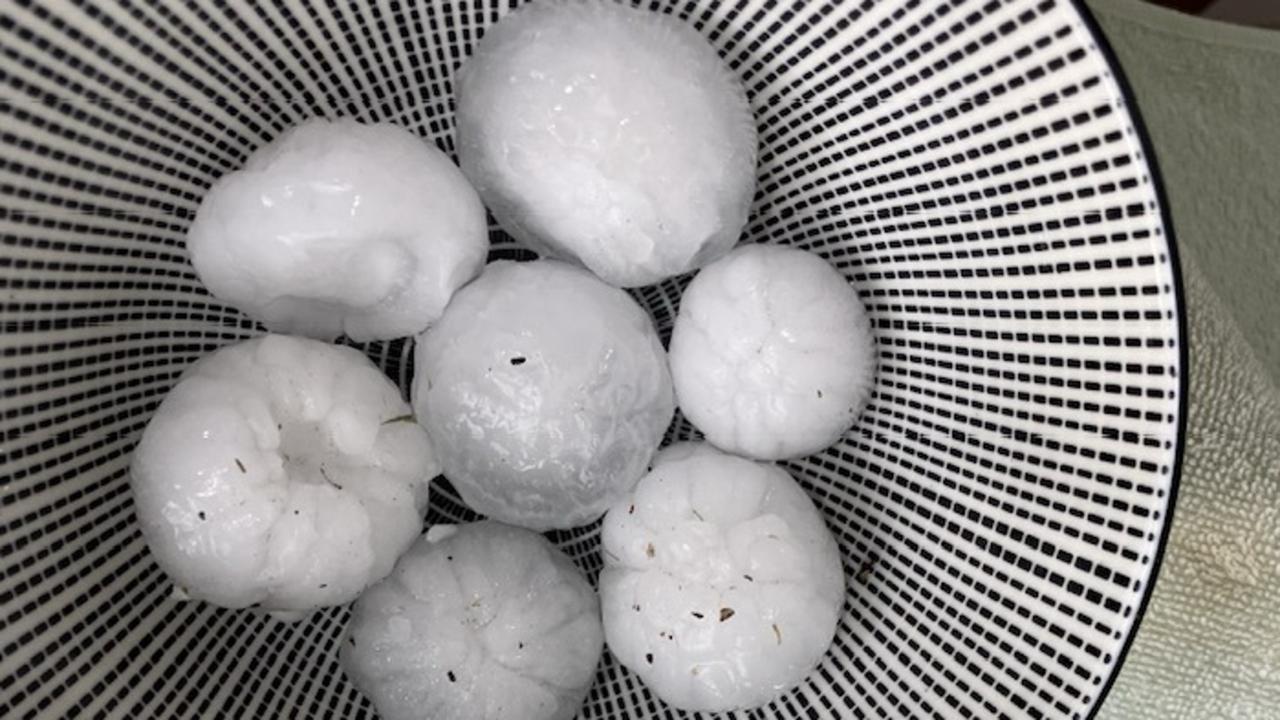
{"x": 338, "y": 227}
{"x": 771, "y": 354}
{"x": 722, "y": 586}
{"x": 546, "y": 392}
{"x": 477, "y": 622}
{"x": 608, "y": 135}
{"x": 281, "y": 473}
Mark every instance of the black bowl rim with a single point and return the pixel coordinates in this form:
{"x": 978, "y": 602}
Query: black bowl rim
{"x": 1184, "y": 354}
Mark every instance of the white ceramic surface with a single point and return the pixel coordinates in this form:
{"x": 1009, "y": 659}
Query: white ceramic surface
{"x": 971, "y": 166}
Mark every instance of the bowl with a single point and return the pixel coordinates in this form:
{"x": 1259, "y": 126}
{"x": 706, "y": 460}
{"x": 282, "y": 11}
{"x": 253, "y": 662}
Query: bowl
{"x": 975, "y": 168}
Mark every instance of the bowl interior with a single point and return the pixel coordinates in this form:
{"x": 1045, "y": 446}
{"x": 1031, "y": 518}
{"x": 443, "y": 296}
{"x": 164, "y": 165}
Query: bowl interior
{"x": 970, "y": 165}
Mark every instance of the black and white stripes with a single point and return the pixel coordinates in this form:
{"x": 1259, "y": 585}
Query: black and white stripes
{"x": 970, "y": 165}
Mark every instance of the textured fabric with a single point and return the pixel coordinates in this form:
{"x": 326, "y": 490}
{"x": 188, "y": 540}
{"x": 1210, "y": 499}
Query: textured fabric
{"x": 1209, "y": 94}
{"x": 1209, "y": 646}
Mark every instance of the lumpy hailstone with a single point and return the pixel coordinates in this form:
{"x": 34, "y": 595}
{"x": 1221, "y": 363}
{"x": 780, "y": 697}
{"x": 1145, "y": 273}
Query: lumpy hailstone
{"x": 477, "y": 622}
{"x": 771, "y": 354}
{"x": 283, "y": 473}
{"x": 608, "y": 135}
{"x": 546, "y": 392}
{"x": 338, "y": 227}
{"x": 722, "y": 585}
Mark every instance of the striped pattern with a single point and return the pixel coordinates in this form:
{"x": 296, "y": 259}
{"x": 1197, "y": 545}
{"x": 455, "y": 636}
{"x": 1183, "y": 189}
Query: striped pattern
{"x": 970, "y": 165}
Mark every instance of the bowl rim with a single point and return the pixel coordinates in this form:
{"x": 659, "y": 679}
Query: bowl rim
{"x": 1184, "y": 355}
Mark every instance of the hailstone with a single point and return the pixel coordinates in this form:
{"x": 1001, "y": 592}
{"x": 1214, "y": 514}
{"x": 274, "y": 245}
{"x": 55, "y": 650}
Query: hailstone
{"x": 281, "y": 473}
{"x": 608, "y": 135}
{"x": 722, "y": 585}
{"x": 546, "y": 392}
{"x": 772, "y": 354}
{"x": 477, "y": 622}
{"x": 339, "y": 227}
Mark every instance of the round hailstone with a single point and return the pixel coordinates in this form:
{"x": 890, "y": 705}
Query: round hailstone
{"x": 546, "y": 392}
{"x": 281, "y": 473}
{"x": 338, "y": 227}
{"x": 772, "y": 354}
{"x": 608, "y": 135}
{"x": 477, "y": 621}
{"x": 722, "y": 585}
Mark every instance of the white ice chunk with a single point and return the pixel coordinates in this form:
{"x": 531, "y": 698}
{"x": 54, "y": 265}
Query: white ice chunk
{"x": 339, "y": 227}
{"x": 772, "y": 354}
{"x": 722, "y": 585}
{"x": 608, "y": 135}
{"x": 484, "y": 621}
{"x": 281, "y": 473}
{"x": 546, "y": 392}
